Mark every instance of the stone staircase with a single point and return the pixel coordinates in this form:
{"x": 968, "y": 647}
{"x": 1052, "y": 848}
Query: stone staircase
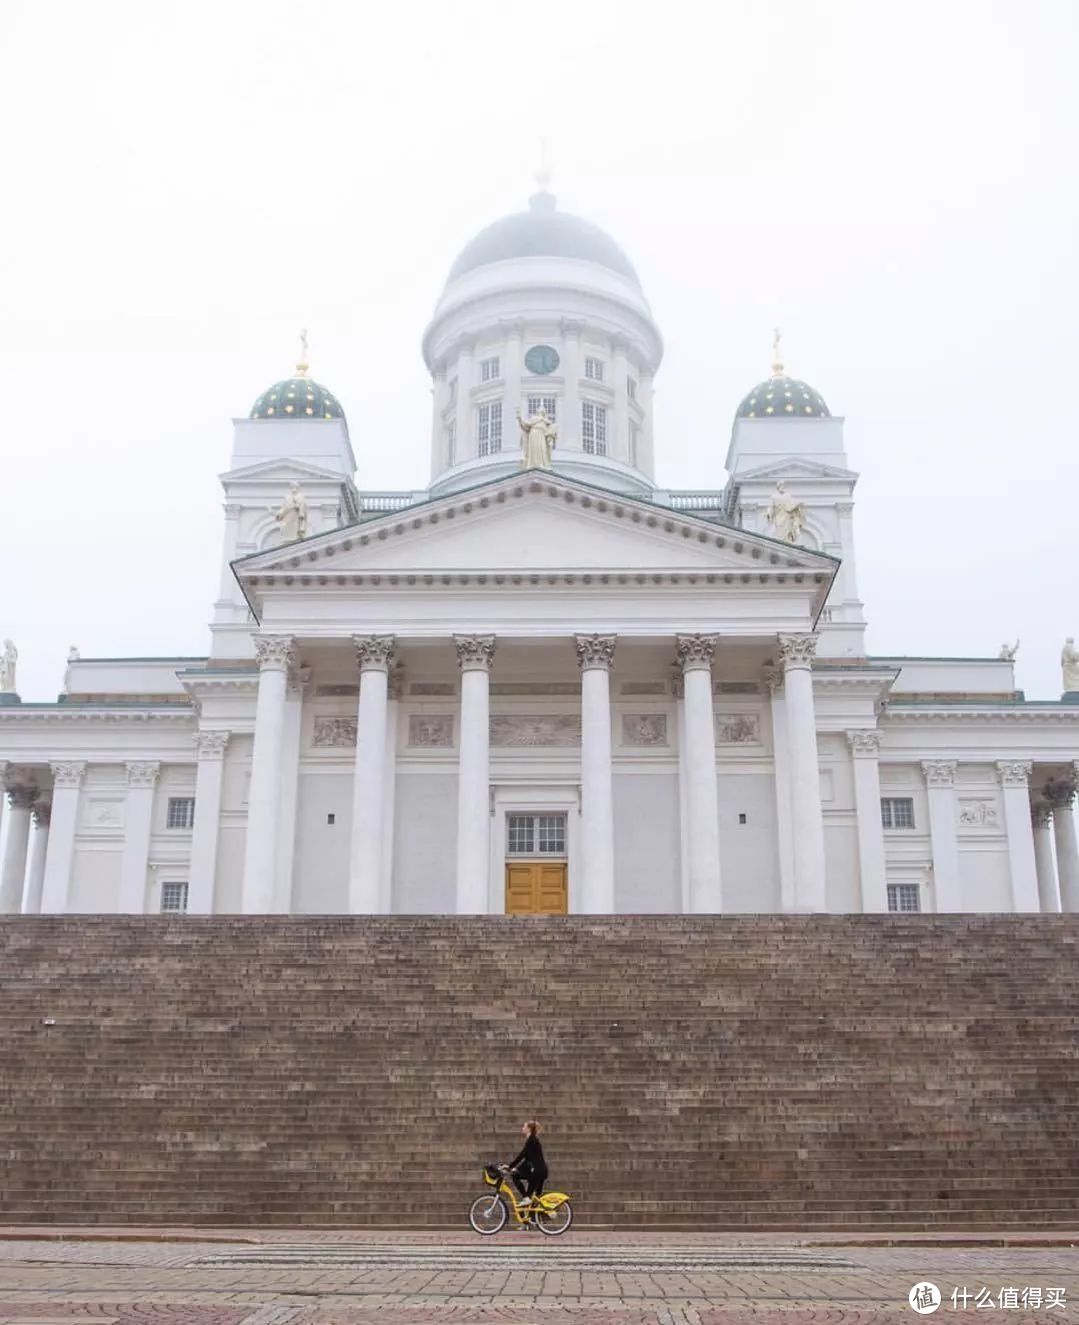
{"x": 835, "y": 1072}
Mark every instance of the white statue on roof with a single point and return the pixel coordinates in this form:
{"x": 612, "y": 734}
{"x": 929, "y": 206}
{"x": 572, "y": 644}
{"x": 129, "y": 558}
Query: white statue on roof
{"x": 1069, "y": 665}
{"x": 8, "y": 660}
{"x": 1008, "y": 651}
{"x": 538, "y": 437}
{"x": 786, "y": 514}
{"x": 291, "y": 515}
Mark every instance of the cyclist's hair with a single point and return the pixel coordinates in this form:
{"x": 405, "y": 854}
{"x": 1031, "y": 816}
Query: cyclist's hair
{"x": 533, "y": 1127}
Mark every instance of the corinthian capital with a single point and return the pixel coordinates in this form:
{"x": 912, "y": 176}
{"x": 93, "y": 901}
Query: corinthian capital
{"x": 1060, "y": 793}
{"x": 939, "y": 772}
{"x": 274, "y": 652}
{"x": 797, "y": 651}
{"x": 595, "y": 651}
{"x": 864, "y": 744}
{"x": 211, "y": 745}
{"x": 142, "y": 773}
{"x": 475, "y": 653}
{"x": 68, "y": 773}
{"x": 695, "y": 652}
{"x": 1014, "y": 772}
{"x": 374, "y": 653}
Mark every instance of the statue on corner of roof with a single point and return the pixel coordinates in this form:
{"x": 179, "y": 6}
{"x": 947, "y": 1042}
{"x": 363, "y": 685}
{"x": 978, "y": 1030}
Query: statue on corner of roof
{"x": 786, "y": 514}
{"x": 8, "y": 659}
{"x": 1008, "y": 651}
{"x": 291, "y": 515}
{"x": 1069, "y": 665}
{"x": 538, "y": 438}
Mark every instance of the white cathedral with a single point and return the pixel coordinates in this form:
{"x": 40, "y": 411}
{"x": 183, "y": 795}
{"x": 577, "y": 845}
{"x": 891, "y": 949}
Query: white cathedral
{"x": 545, "y": 684}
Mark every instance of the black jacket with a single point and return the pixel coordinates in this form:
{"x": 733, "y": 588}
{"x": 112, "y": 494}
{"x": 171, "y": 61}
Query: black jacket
{"x": 532, "y": 1156}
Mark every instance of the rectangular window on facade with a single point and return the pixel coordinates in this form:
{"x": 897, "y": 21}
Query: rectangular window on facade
{"x": 489, "y": 429}
{"x": 593, "y": 428}
{"x": 536, "y": 403}
{"x": 593, "y": 369}
{"x": 181, "y": 812}
{"x": 904, "y": 897}
{"x": 490, "y": 369}
{"x": 173, "y": 898}
{"x": 897, "y": 811}
{"x": 536, "y": 834}
{"x": 451, "y": 441}
{"x": 631, "y": 388}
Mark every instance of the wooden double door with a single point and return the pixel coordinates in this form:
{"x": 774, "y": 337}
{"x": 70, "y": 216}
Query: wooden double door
{"x": 537, "y": 888}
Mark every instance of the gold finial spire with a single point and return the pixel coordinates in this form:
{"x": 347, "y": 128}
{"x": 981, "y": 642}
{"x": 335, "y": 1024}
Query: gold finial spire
{"x": 302, "y": 365}
{"x": 777, "y": 362}
{"x": 543, "y": 171}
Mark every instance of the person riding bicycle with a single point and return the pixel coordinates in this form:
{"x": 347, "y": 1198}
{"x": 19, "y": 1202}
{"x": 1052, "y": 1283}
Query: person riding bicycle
{"x": 529, "y": 1169}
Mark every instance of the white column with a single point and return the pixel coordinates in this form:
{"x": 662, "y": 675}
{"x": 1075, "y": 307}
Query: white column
{"x": 474, "y": 656}
{"x": 595, "y": 654}
{"x": 395, "y": 681}
{"x": 275, "y": 657}
{"x": 1061, "y": 796}
{"x": 39, "y": 846}
{"x": 1015, "y": 790}
{"x": 375, "y": 656}
{"x": 1045, "y": 865}
{"x": 466, "y": 423}
{"x": 298, "y": 680}
{"x": 781, "y": 767}
{"x": 511, "y": 376}
{"x": 618, "y": 437}
{"x": 695, "y": 653}
{"x": 138, "y": 823}
{"x": 796, "y": 653}
{"x": 20, "y": 799}
{"x": 66, "y": 783}
{"x": 202, "y": 867}
{"x": 440, "y": 461}
{"x": 865, "y": 756}
{"x": 940, "y": 791}
{"x": 569, "y": 425}
{"x": 645, "y": 446}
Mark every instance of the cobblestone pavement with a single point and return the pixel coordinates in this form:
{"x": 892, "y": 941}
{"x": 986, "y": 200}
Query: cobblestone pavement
{"x": 521, "y": 1279}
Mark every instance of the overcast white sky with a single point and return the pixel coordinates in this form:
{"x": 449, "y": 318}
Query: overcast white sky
{"x": 187, "y": 184}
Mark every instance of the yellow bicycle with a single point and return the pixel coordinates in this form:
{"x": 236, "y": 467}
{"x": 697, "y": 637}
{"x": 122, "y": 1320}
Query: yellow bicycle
{"x": 551, "y": 1213}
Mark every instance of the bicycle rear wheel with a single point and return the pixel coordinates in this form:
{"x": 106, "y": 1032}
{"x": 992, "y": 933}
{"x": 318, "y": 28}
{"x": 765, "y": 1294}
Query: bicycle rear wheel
{"x": 556, "y": 1221}
{"x": 487, "y": 1214}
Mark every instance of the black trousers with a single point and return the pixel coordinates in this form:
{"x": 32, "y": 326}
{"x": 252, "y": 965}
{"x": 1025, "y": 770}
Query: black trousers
{"x": 529, "y": 1182}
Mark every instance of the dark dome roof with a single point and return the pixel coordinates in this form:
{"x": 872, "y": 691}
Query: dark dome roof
{"x": 782, "y": 397}
{"x": 543, "y": 232}
{"x": 297, "y": 398}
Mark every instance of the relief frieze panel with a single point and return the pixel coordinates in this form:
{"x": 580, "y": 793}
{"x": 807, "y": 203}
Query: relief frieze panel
{"x": 545, "y": 730}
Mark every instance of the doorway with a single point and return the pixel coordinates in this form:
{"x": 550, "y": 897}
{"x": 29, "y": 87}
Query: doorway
{"x": 537, "y": 874}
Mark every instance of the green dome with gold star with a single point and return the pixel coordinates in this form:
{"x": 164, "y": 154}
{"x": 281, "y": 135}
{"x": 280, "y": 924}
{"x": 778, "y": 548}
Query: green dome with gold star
{"x": 299, "y": 397}
{"x": 782, "y": 397}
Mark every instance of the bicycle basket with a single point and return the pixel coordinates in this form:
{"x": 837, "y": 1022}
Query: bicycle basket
{"x": 491, "y": 1175}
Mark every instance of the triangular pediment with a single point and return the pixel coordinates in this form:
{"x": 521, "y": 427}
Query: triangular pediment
{"x": 285, "y": 470}
{"x": 536, "y": 523}
{"x": 799, "y": 469}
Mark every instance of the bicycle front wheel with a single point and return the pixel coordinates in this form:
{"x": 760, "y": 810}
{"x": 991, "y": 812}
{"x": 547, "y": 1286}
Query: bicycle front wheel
{"x": 487, "y": 1214}
{"x": 556, "y": 1221}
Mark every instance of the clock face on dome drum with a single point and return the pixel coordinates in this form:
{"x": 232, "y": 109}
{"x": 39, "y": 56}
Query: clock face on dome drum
{"x": 541, "y": 359}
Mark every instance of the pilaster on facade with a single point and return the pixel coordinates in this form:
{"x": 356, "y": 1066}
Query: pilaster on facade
{"x": 940, "y": 776}
{"x": 865, "y": 756}
{"x": 142, "y": 778}
{"x": 67, "y": 780}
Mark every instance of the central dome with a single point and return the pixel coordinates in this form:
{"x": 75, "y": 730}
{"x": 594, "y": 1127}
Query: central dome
{"x": 543, "y": 232}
